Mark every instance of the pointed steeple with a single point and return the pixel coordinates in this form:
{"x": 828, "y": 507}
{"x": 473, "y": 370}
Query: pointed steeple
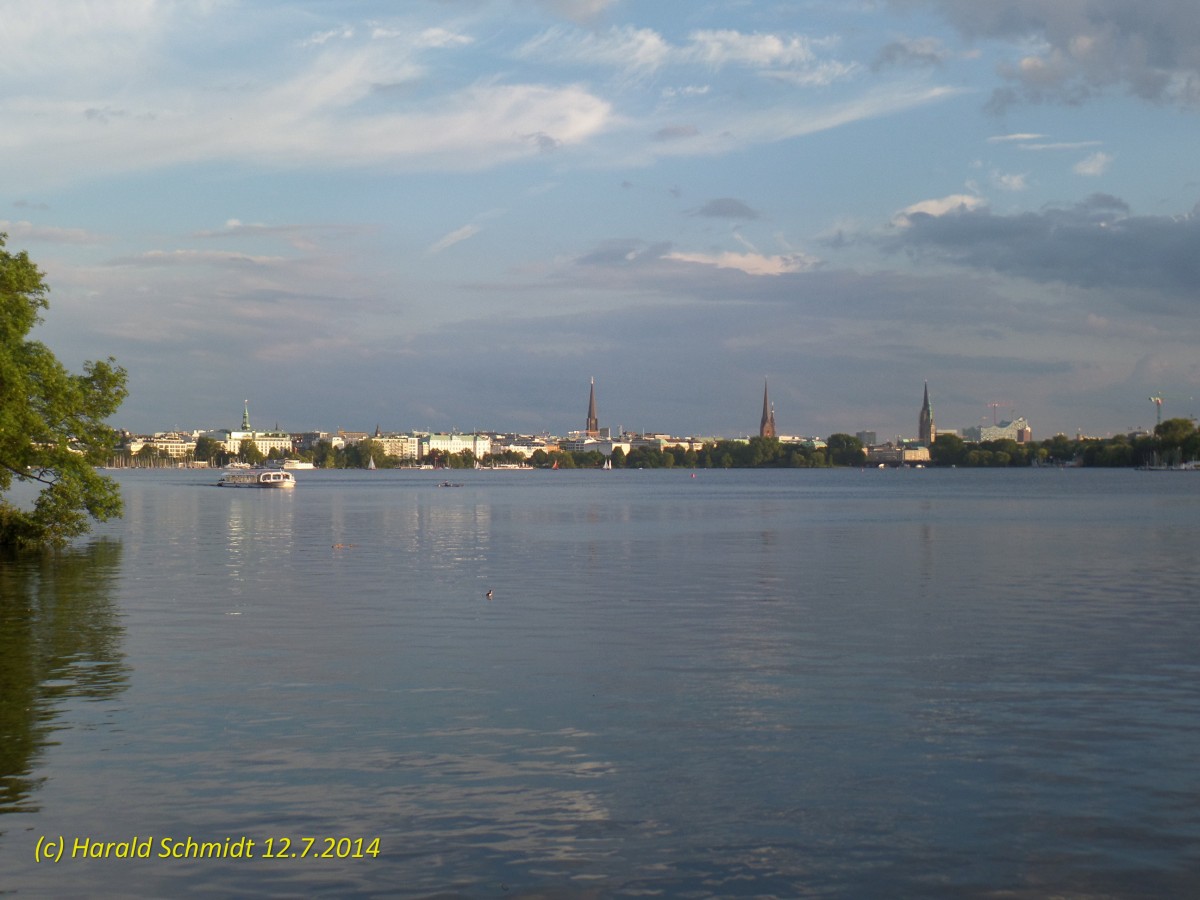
{"x": 593, "y": 423}
{"x": 766, "y": 428}
{"x": 926, "y": 432}
{"x": 246, "y": 415}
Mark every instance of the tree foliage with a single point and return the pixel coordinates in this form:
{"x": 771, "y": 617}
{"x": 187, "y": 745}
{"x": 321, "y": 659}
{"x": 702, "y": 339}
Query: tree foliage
{"x": 52, "y": 423}
{"x": 210, "y": 451}
{"x": 845, "y": 450}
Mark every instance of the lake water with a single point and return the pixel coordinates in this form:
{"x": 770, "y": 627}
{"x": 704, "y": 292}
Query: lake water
{"x": 905, "y": 683}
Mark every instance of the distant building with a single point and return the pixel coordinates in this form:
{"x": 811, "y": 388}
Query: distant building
{"x": 867, "y": 438}
{"x": 265, "y": 441}
{"x": 168, "y": 443}
{"x": 926, "y": 432}
{"x": 902, "y": 455}
{"x": 1017, "y": 430}
{"x": 453, "y": 444}
{"x": 521, "y": 444}
{"x": 308, "y": 440}
{"x": 766, "y": 428}
{"x": 401, "y": 446}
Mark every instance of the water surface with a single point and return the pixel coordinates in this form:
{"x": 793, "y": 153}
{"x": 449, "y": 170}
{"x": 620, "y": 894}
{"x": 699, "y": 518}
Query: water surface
{"x": 917, "y": 683}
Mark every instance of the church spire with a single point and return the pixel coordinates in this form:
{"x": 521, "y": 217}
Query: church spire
{"x": 926, "y": 432}
{"x": 593, "y": 423}
{"x": 766, "y": 428}
{"x": 246, "y": 415}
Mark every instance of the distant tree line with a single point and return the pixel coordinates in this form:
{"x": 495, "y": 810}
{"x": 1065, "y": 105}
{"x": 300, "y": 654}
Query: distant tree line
{"x": 1173, "y": 441}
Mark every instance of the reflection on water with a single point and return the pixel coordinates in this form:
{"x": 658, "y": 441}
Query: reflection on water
{"x": 60, "y": 642}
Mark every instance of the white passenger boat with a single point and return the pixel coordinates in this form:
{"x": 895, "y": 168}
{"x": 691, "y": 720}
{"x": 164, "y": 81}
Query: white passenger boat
{"x": 288, "y": 464}
{"x": 258, "y": 478}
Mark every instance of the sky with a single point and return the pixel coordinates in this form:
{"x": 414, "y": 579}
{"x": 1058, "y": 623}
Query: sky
{"x": 452, "y": 214}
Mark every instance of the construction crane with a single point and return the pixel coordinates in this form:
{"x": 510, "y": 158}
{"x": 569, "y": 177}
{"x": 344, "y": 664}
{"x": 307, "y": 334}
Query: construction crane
{"x": 1158, "y": 402}
{"x": 995, "y": 405}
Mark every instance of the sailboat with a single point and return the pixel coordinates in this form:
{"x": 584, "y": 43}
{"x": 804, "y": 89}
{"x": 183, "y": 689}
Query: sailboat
{"x": 371, "y": 462}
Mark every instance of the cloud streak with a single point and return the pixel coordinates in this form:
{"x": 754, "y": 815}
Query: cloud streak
{"x": 454, "y": 237}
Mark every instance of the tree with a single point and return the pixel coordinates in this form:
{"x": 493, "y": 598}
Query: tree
{"x": 947, "y": 450}
{"x": 248, "y": 452}
{"x": 1174, "y": 433}
{"x": 52, "y": 430}
{"x": 323, "y": 456}
{"x": 845, "y": 450}
{"x": 209, "y": 450}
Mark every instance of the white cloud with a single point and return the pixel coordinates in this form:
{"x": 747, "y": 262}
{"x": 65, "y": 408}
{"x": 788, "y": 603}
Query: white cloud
{"x": 441, "y": 37}
{"x": 692, "y": 90}
{"x": 82, "y": 38}
{"x": 821, "y": 75}
{"x": 1014, "y": 138}
{"x": 636, "y": 50}
{"x": 727, "y": 47}
{"x": 1010, "y": 181}
{"x": 345, "y": 32}
{"x": 750, "y": 263}
{"x": 25, "y": 230}
{"x": 1095, "y": 164}
{"x": 428, "y": 38}
{"x": 1062, "y": 145}
{"x": 314, "y": 118}
{"x": 643, "y": 51}
{"x": 200, "y": 257}
{"x": 937, "y": 207}
{"x": 454, "y": 237}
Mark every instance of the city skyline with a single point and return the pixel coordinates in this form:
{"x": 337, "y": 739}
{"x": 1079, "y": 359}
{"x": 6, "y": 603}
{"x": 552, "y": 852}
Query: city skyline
{"x": 594, "y": 426}
{"x": 440, "y": 214}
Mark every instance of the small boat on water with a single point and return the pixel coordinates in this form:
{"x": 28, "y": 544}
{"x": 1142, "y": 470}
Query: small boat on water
{"x": 258, "y": 478}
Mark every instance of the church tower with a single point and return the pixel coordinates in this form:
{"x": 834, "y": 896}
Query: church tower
{"x": 593, "y": 424}
{"x": 926, "y": 433}
{"x": 766, "y": 428}
{"x": 246, "y": 416}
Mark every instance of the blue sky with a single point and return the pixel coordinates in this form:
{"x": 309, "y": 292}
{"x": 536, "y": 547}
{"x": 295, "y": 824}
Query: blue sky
{"x": 451, "y": 215}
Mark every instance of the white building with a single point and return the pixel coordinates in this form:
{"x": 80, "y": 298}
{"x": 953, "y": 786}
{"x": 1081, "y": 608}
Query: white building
{"x": 265, "y": 441}
{"x": 453, "y": 444}
{"x": 522, "y": 445}
{"x": 401, "y": 446}
{"x": 586, "y": 444}
{"x": 175, "y": 445}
